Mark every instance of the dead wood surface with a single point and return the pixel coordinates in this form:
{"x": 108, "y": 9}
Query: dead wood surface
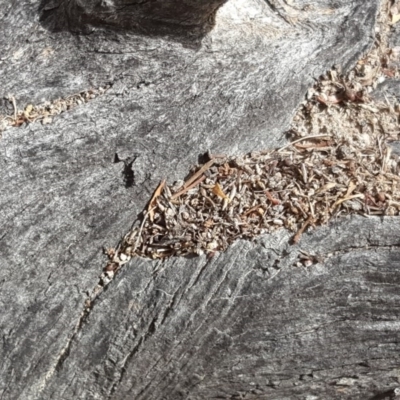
{"x": 246, "y": 324}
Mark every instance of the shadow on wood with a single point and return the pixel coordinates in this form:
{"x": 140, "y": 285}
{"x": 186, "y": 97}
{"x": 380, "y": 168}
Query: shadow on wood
{"x": 189, "y": 19}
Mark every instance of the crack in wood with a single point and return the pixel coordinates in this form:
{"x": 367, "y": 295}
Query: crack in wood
{"x": 46, "y": 111}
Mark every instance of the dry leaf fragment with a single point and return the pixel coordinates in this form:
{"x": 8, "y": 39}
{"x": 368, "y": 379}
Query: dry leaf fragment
{"x": 28, "y": 110}
{"x": 209, "y": 223}
{"x": 217, "y": 190}
{"x": 157, "y": 192}
{"x": 395, "y": 18}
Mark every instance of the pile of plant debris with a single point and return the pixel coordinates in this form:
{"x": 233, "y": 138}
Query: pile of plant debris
{"x": 339, "y": 162}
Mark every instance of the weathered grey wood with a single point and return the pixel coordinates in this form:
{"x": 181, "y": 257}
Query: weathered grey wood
{"x": 190, "y": 328}
{"x": 250, "y": 324}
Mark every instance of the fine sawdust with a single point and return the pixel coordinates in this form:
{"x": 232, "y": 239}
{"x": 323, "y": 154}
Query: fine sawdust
{"x": 339, "y": 162}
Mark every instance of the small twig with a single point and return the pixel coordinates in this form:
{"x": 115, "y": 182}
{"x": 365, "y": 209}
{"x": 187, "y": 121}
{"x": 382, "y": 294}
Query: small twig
{"x": 215, "y": 156}
{"x": 272, "y": 199}
{"x": 252, "y": 209}
{"x": 386, "y": 158}
{"x": 301, "y": 139}
{"x": 156, "y": 194}
{"x": 187, "y": 188}
{"x": 141, "y": 228}
{"x": 204, "y": 168}
{"x": 297, "y": 236}
{"x": 354, "y": 196}
{"x": 394, "y": 203}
